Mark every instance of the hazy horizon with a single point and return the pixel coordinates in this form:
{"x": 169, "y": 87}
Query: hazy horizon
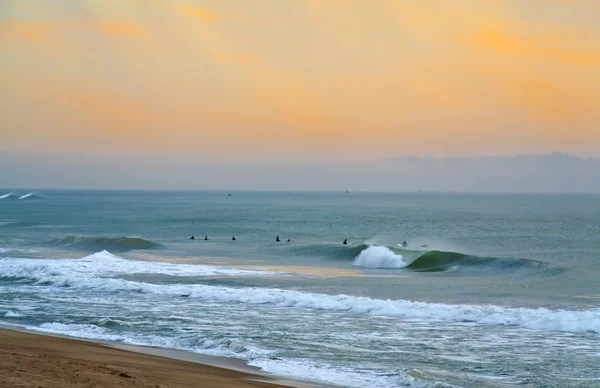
{"x": 536, "y": 173}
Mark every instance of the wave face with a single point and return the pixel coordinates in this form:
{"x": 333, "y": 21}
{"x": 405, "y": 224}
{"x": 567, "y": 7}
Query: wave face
{"x": 96, "y": 273}
{"x": 379, "y": 257}
{"x": 114, "y": 244}
{"x": 436, "y": 261}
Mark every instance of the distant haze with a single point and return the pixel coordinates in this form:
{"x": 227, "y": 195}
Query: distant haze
{"x": 554, "y": 172}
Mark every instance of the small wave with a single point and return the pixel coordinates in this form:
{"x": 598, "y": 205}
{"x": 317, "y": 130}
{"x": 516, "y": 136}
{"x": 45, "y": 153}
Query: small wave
{"x": 110, "y": 323}
{"x": 78, "y": 330}
{"x": 12, "y": 314}
{"x": 379, "y": 257}
{"x": 9, "y": 196}
{"x": 29, "y": 196}
{"x": 114, "y": 244}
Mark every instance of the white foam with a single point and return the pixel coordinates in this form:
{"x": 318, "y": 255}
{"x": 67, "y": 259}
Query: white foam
{"x": 77, "y": 330}
{"x": 379, "y": 257}
{"x": 26, "y": 196}
{"x": 323, "y": 373}
{"x": 340, "y": 376}
{"x": 91, "y": 273}
{"x": 106, "y": 264}
{"x": 12, "y": 314}
{"x": 7, "y": 195}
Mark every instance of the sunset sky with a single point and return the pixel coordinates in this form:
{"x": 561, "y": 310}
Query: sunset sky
{"x": 283, "y": 80}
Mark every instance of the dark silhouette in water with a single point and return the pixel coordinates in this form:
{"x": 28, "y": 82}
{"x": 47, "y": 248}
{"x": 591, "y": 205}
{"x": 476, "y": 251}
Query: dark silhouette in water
{"x": 277, "y": 239}
{"x": 229, "y": 195}
{"x": 205, "y": 238}
{"x": 192, "y": 238}
{"x": 404, "y": 244}
{"x": 345, "y": 241}
{"x": 424, "y": 246}
{"x": 289, "y": 240}
{"x": 233, "y": 238}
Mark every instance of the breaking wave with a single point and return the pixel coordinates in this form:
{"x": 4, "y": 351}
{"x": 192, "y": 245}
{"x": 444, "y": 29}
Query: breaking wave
{"x": 114, "y": 244}
{"x": 380, "y": 256}
{"x": 100, "y": 273}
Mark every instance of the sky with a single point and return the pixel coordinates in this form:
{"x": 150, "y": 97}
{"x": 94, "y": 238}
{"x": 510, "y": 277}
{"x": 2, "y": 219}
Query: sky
{"x": 238, "y": 94}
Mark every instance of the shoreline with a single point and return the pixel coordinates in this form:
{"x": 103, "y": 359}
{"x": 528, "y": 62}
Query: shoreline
{"x": 33, "y": 359}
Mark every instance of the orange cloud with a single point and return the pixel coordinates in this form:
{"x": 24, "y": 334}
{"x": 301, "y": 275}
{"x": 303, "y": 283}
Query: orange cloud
{"x": 506, "y": 44}
{"x": 203, "y": 14}
{"x": 224, "y": 57}
{"x": 544, "y": 100}
{"x": 123, "y": 30}
{"x": 31, "y": 31}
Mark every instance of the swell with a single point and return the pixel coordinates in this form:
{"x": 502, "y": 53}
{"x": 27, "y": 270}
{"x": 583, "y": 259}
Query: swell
{"x": 331, "y": 251}
{"x": 114, "y": 244}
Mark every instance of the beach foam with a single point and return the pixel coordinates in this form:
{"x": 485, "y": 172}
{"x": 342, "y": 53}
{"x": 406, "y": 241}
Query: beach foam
{"x": 93, "y": 273}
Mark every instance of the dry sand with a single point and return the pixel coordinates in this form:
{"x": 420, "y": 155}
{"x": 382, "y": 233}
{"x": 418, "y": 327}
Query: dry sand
{"x": 43, "y": 361}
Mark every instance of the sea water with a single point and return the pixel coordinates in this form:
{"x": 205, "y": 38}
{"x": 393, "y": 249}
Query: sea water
{"x": 490, "y": 291}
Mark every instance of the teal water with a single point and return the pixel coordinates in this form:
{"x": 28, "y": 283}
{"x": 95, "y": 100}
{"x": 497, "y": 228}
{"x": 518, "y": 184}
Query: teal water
{"x": 504, "y": 293}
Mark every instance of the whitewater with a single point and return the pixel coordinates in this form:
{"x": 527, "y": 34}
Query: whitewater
{"x": 491, "y": 291}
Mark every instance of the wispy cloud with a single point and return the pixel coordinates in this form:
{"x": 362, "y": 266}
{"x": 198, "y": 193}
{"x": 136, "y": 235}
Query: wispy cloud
{"x": 507, "y": 44}
{"x": 120, "y": 30}
{"x": 198, "y": 12}
{"x": 28, "y": 31}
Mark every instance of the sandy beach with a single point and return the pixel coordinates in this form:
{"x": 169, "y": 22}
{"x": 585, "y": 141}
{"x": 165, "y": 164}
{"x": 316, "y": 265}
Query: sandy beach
{"x": 40, "y": 361}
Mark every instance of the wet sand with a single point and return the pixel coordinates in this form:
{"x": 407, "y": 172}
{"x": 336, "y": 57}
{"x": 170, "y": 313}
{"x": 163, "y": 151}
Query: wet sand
{"x": 46, "y": 361}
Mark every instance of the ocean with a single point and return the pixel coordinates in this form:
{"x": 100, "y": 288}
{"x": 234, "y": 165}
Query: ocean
{"x": 491, "y": 290}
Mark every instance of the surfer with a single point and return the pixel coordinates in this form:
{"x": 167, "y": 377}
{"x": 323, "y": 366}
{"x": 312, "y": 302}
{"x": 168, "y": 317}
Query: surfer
{"x": 233, "y": 238}
{"x": 404, "y": 244}
{"x": 424, "y": 246}
{"x": 205, "y": 238}
{"x": 345, "y": 241}
{"x": 277, "y": 239}
{"x": 289, "y": 240}
{"x": 192, "y": 238}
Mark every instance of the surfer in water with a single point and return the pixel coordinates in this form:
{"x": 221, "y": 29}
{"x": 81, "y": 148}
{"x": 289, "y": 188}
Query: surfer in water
{"x": 205, "y": 238}
{"x": 192, "y": 238}
{"x": 345, "y": 241}
{"x": 289, "y": 240}
{"x": 233, "y": 238}
{"x": 404, "y": 244}
{"x": 277, "y": 239}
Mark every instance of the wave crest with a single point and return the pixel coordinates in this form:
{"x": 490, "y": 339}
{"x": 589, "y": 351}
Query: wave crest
{"x": 9, "y": 196}
{"x": 379, "y": 257}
